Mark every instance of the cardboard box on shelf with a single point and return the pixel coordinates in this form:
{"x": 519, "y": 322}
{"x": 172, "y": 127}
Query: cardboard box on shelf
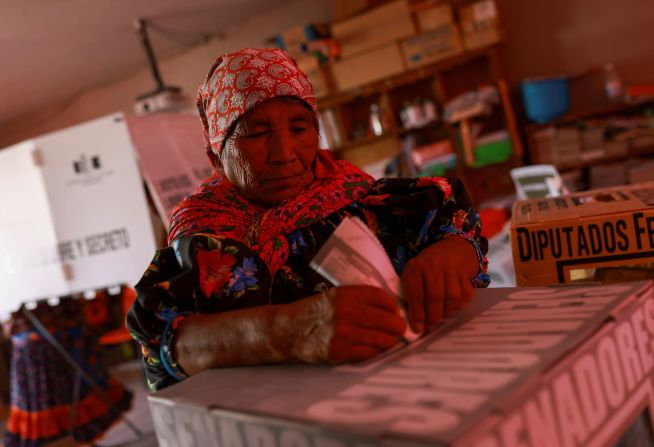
{"x": 607, "y": 175}
{"x": 292, "y": 39}
{"x": 592, "y": 138}
{"x": 295, "y": 38}
{"x": 641, "y": 171}
{"x": 432, "y": 46}
{"x": 381, "y": 26}
{"x": 642, "y": 141}
{"x": 367, "y": 67}
{"x": 558, "y": 239}
{"x": 434, "y": 17}
{"x": 616, "y": 147}
{"x": 557, "y": 145}
{"x": 639, "y": 139}
{"x": 345, "y": 8}
{"x": 480, "y": 24}
{"x": 311, "y": 66}
{"x": 520, "y": 366}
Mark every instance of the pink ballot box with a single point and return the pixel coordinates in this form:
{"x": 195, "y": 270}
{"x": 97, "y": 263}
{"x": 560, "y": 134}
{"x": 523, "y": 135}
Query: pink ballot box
{"x": 532, "y": 366}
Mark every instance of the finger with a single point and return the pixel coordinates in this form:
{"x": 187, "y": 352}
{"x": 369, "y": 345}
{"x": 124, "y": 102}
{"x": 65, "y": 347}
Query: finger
{"x": 370, "y": 318}
{"x": 341, "y": 351}
{"x": 366, "y": 295}
{"x": 380, "y": 298}
{"x": 379, "y": 340}
{"x": 414, "y": 295}
{"x": 453, "y": 297}
{"x": 434, "y": 281}
{"x": 467, "y": 292}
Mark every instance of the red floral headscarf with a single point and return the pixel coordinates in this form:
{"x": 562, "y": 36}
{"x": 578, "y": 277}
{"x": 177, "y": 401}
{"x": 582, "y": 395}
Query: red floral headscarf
{"x": 236, "y": 83}
{"x": 239, "y": 81}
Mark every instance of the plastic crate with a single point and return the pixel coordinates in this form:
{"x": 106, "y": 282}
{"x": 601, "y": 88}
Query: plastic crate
{"x": 490, "y": 153}
{"x": 545, "y": 99}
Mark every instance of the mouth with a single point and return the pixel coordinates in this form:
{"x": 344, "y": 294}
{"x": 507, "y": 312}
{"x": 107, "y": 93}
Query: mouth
{"x": 284, "y": 182}
{"x": 278, "y": 179}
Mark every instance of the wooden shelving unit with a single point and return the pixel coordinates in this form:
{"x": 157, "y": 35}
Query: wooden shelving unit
{"x": 615, "y": 148}
{"x": 599, "y": 112}
{"x": 631, "y": 153}
{"x": 439, "y": 82}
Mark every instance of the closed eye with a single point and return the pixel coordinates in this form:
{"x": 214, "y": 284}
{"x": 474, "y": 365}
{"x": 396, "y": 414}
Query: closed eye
{"x": 299, "y": 129}
{"x": 259, "y": 134}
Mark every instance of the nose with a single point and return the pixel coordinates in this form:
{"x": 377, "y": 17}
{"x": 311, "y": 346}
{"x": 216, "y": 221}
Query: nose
{"x": 281, "y": 148}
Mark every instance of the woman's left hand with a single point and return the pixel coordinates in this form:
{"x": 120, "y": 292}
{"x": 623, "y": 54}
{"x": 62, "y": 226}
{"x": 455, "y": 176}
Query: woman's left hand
{"x": 439, "y": 281}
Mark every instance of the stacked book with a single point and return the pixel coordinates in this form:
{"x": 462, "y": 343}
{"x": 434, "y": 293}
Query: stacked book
{"x": 558, "y": 145}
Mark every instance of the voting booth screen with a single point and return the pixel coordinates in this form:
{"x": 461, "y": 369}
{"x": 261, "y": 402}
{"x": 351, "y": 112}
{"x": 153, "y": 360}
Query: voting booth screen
{"x": 76, "y": 216}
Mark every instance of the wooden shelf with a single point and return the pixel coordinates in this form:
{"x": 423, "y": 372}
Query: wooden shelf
{"x": 608, "y": 158}
{"x": 438, "y": 82}
{"x": 432, "y": 125}
{"x": 391, "y": 133}
{"x": 573, "y": 117}
{"x": 407, "y": 77}
{"x": 363, "y": 141}
{"x": 600, "y": 117}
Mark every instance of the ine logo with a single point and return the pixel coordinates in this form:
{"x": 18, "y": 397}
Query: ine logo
{"x": 89, "y": 170}
{"x": 85, "y": 164}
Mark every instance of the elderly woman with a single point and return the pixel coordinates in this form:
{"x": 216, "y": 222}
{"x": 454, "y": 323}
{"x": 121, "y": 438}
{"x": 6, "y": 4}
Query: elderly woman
{"x": 235, "y": 287}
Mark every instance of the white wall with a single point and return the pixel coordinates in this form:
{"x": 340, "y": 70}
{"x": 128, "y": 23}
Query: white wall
{"x": 186, "y": 70}
{"x": 550, "y": 37}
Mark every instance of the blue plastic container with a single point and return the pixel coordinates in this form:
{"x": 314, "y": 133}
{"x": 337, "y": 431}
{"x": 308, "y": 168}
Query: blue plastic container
{"x": 545, "y": 99}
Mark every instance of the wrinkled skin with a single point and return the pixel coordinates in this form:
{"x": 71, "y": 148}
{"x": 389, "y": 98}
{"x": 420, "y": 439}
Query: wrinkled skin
{"x": 366, "y": 322}
{"x": 439, "y": 281}
{"x": 347, "y": 323}
{"x": 269, "y": 155}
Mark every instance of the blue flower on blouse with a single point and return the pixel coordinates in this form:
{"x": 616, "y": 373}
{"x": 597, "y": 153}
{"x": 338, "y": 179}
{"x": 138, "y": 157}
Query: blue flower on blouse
{"x": 169, "y": 313}
{"x": 429, "y": 218}
{"x": 400, "y": 259}
{"x": 295, "y": 239}
{"x": 244, "y": 276}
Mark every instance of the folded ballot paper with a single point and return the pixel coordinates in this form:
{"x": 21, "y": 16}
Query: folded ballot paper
{"x": 354, "y": 256}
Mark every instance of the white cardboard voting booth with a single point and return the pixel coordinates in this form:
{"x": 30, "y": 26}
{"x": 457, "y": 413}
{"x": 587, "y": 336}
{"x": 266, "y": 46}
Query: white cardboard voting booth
{"x": 74, "y": 213}
{"x": 538, "y": 366}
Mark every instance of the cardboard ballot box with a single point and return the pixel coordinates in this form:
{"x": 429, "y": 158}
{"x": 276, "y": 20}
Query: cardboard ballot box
{"x": 558, "y": 238}
{"x": 558, "y": 366}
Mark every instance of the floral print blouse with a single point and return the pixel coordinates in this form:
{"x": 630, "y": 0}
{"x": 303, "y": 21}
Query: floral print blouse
{"x": 208, "y": 273}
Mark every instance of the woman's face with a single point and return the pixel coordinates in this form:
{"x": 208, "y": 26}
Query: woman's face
{"x": 269, "y": 155}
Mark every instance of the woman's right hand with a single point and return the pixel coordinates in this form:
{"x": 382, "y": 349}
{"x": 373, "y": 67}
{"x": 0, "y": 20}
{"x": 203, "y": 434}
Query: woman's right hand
{"x": 347, "y": 323}
{"x": 367, "y": 320}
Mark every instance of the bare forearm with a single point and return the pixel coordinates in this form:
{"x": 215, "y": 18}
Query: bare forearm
{"x": 224, "y": 339}
{"x": 259, "y": 335}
